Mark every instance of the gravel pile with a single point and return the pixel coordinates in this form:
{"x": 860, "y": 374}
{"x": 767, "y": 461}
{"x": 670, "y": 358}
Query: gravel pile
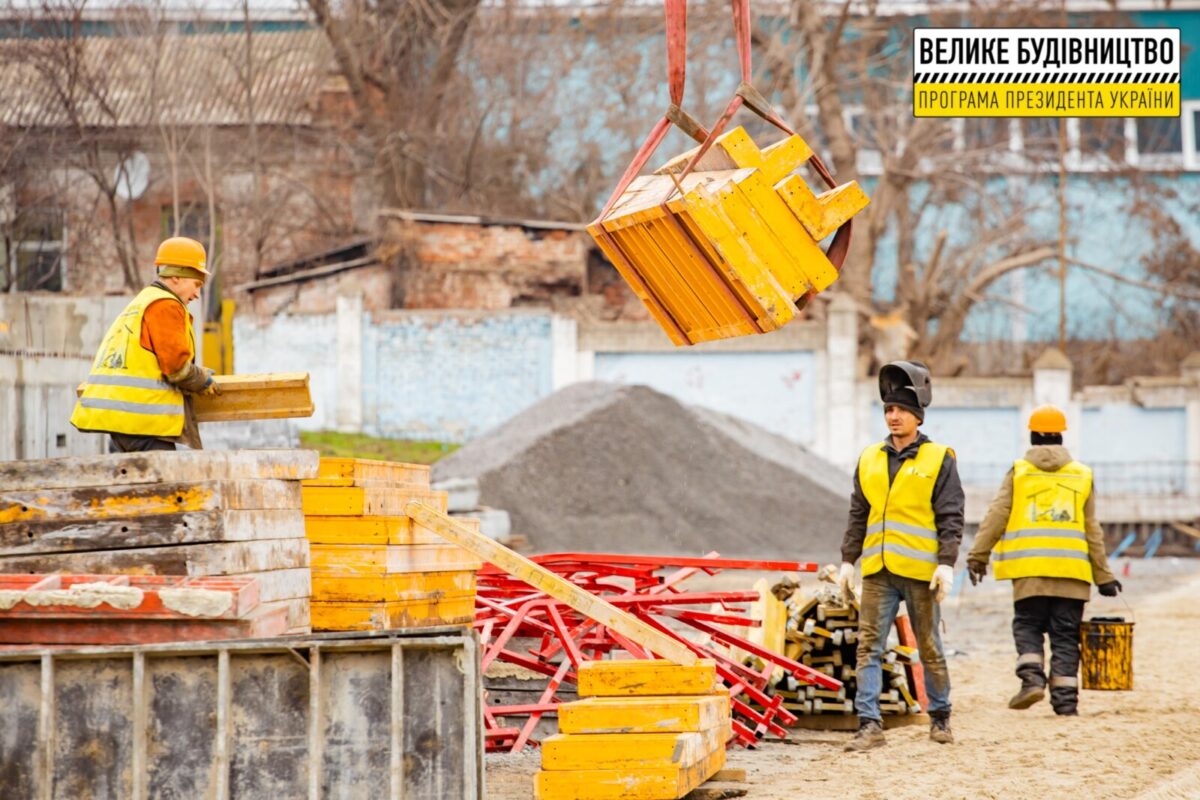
{"x": 603, "y": 467}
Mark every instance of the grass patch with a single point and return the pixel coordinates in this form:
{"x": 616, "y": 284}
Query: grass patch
{"x": 357, "y": 445}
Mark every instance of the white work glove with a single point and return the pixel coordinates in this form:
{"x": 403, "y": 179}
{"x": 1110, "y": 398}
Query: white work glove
{"x": 845, "y": 579}
{"x": 943, "y": 579}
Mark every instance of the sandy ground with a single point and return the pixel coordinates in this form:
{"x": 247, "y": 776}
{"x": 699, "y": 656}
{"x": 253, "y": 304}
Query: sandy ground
{"x": 1142, "y": 744}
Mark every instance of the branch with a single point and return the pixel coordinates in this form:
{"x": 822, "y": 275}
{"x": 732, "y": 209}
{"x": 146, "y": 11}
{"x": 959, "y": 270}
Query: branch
{"x": 1174, "y": 290}
{"x": 993, "y": 272}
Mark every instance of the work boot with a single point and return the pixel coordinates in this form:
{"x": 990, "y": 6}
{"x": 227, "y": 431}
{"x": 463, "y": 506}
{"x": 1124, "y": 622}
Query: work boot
{"x": 1030, "y": 694}
{"x": 869, "y": 736}
{"x": 939, "y": 730}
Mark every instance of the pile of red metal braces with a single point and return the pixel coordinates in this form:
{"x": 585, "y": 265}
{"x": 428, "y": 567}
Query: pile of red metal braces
{"x": 521, "y": 625}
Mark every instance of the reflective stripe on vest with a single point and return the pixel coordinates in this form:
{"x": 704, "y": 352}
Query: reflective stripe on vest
{"x": 1045, "y": 537}
{"x": 126, "y": 392}
{"x": 901, "y": 527}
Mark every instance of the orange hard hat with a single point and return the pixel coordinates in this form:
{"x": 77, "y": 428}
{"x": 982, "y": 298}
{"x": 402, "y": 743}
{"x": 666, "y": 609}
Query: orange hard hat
{"x": 1047, "y": 419}
{"x": 180, "y": 251}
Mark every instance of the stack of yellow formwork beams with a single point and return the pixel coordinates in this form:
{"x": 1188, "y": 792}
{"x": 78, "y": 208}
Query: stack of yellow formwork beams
{"x": 736, "y": 246}
{"x": 374, "y": 568}
{"x": 649, "y": 730}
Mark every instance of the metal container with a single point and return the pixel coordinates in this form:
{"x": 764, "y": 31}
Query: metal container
{"x": 388, "y": 714}
{"x": 1106, "y": 654}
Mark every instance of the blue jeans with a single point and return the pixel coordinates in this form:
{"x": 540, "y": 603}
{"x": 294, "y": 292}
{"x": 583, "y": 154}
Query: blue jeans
{"x": 881, "y": 596}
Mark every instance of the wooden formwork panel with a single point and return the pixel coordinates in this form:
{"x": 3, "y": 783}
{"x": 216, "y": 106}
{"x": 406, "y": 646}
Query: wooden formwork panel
{"x": 190, "y": 466}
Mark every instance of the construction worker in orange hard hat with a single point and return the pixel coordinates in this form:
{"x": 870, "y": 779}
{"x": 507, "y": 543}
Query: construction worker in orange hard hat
{"x": 139, "y": 386}
{"x": 1042, "y": 533}
{"x": 906, "y": 521}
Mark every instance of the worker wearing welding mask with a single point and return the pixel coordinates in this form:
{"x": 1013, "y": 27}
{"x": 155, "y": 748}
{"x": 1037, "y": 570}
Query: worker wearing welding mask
{"x": 906, "y": 522}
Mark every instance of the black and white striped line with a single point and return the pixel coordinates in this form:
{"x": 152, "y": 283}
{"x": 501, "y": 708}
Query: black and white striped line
{"x": 1045, "y": 77}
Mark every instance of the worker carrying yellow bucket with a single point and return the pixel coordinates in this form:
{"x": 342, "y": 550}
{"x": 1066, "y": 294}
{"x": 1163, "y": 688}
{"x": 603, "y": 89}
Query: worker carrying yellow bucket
{"x": 1042, "y": 533}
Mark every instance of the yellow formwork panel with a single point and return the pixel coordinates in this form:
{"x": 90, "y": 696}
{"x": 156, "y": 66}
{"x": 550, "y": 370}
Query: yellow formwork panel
{"x": 344, "y": 588}
{"x": 335, "y": 616}
{"x": 730, "y": 249}
{"x": 373, "y": 530}
{"x": 368, "y": 559}
{"x": 734, "y": 149}
{"x": 267, "y": 396}
{"x": 630, "y": 750}
{"x": 822, "y": 214}
{"x": 640, "y": 677}
{"x": 357, "y": 501}
{"x": 336, "y": 471}
{"x": 644, "y": 714}
{"x": 653, "y": 783}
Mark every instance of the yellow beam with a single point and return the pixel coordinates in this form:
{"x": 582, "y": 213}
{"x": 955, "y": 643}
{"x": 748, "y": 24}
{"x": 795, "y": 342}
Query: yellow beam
{"x": 625, "y": 751}
{"x": 655, "y": 678}
{"x": 653, "y": 783}
{"x": 544, "y": 580}
{"x": 644, "y": 714}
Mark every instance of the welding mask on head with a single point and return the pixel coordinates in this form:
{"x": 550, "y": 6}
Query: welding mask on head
{"x": 906, "y": 384}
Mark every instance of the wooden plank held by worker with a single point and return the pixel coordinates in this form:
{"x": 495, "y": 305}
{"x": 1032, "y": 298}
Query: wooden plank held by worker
{"x": 272, "y": 395}
{"x": 544, "y": 580}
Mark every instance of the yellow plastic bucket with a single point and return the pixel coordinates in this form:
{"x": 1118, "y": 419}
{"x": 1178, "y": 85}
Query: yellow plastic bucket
{"x": 1106, "y": 653}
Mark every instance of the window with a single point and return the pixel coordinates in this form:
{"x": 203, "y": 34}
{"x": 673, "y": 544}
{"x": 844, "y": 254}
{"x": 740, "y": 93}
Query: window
{"x": 1160, "y": 141}
{"x": 35, "y": 242}
{"x": 1102, "y": 139}
{"x": 1040, "y": 137}
{"x": 1190, "y": 130}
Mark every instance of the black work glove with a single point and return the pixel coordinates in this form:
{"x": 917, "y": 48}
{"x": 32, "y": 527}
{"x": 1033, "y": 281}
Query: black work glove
{"x": 976, "y": 570}
{"x": 1111, "y": 588}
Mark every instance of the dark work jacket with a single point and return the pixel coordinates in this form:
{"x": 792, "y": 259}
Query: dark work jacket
{"x": 948, "y": 502}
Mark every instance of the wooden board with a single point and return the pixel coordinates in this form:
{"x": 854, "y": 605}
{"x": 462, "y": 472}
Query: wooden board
{"x": 139, "y": 597}
{"x": 155, "y": 530}
{"x": 656, "y": 783}
{"x": 270, "y": 621}
{"x": 654, "y": 678}
{"x": 391, "y": 559}
{"x": 220, "y": 558}
{"x": 644, "y": 714}
{"x": 275, "y": 395}
{"x": 560, "y": 589}
{"x": 354, "y": 501}
{"x": 378, "y": 588}
{"x": 328, "y": 616}
{"x": 106, "y": 502}
{"x": 395, "y": 530}
{"x": 627, "y": 751}
{"x": 187, "y": 466}
{"x": 334, "y": 471}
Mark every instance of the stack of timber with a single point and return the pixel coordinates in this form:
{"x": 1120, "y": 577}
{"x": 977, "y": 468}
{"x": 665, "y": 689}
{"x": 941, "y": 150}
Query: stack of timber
{"x": 821, "y": 631}
{"x": 732, "y": 248}
{"x": 651, "y": 730}
{"x": 374, "y": 568}
{"x": 234, "y": 513}
{"x": 137, "y": 609}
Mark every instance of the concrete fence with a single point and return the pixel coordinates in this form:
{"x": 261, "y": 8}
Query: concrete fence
{"x": 451, "y": 376}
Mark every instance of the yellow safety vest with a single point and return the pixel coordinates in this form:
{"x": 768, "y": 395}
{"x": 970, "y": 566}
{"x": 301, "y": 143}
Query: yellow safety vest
{"x": 1045, "y": 537}
{"x": 901, "y": 528}
{"x": 126, "y": 392}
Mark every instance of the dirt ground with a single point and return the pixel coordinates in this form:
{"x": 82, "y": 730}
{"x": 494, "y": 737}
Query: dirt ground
{"x": 1142, "y": 744}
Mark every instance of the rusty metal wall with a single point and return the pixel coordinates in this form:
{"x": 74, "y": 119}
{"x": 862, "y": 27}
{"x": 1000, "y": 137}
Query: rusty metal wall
{"x": 329, "y": 716}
